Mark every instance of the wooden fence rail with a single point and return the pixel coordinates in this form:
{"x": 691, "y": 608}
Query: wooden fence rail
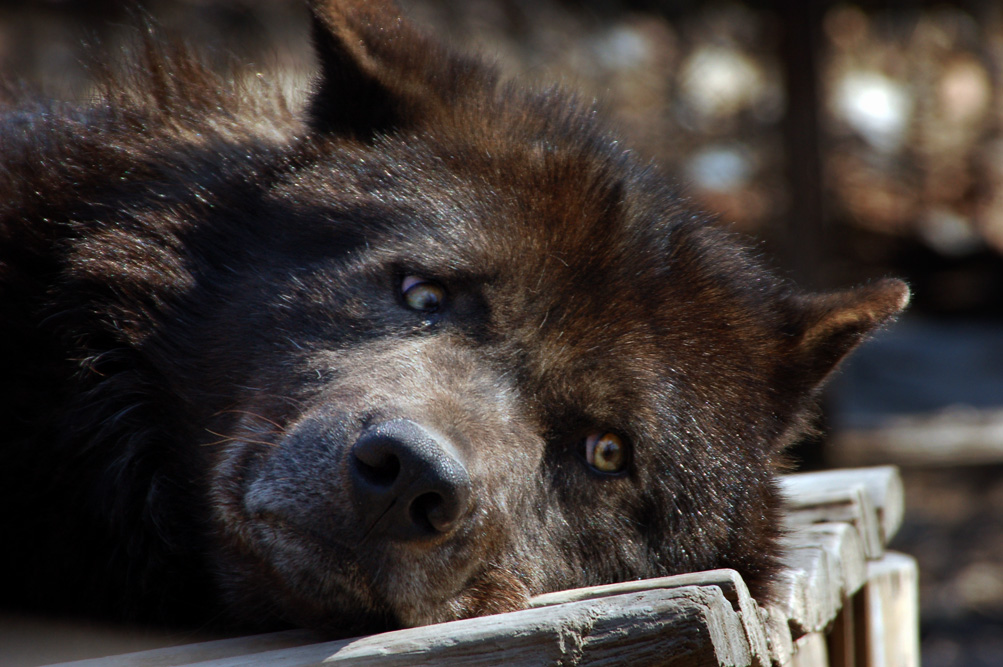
{"x": 843, "y": 601}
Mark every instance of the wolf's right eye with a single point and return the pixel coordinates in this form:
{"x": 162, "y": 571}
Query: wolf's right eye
{"x": 422, "y": 295}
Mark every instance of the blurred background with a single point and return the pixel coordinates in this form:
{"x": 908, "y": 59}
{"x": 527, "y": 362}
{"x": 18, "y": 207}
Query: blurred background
{"x": 845, "y": 141}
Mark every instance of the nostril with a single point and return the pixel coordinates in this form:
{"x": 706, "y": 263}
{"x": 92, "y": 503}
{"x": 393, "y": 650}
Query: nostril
{"x": 439, "y": 511}
{"x": 425, "y": 512}
{"x": 379, "y": 468}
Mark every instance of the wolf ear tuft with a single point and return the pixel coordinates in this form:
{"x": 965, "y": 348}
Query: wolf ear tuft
{"x": 378, "y": 72}
{"x": 826, "y": 327}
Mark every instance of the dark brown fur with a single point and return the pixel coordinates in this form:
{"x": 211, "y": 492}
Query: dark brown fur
{"x": 202, "y": 319}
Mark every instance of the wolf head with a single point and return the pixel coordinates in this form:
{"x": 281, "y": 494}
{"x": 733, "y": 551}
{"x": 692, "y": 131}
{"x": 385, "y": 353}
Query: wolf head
{"x": 486, "y": 353}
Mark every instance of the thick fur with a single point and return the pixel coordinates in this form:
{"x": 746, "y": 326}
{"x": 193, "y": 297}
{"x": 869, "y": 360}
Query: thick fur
{"x": 202, "y": 317}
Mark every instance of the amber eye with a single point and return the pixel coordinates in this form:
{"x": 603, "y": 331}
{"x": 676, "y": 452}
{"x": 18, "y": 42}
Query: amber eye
{"x": 606, "y": 452}
{"x": 422, "y": 295}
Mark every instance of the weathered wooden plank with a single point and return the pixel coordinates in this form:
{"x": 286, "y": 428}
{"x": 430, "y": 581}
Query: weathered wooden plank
{"x": 843, "y": 544}
{"x": 804, "y": 591}
{"x": 824, "y": 565}
{"x": 891, "y": 612}
{"x": 729, "y": 581}
{"x": 849, "y": 504}
{"x": 778, "y": 635}
{"x": 810, "y": 651}
{"x": 883, "y": 485}
{"x": 685, "y": 626}
{"x": 174, "y": 656}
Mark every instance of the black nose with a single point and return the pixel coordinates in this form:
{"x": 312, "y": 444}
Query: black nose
{"x": 408, "y": 484}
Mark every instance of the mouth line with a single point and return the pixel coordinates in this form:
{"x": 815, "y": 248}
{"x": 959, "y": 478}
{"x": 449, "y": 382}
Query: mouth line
{"x": 372, "y": 526}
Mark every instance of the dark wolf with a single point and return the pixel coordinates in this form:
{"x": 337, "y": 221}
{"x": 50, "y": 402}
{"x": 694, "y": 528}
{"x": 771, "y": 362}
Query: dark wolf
{"x": 432, "y": 345}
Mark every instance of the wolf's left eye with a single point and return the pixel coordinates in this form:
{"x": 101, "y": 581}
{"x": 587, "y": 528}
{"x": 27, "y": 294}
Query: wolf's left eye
{"x": 606, "y": 452}
{"x": 422, "y": 295}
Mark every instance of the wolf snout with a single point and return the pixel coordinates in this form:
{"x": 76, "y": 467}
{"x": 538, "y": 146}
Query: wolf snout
{"x": 408, "y": 483}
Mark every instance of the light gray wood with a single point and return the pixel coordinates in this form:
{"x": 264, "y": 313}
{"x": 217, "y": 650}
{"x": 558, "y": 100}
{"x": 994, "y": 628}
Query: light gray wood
{"x": 808, "y": 589}
{"x": 846, "y": 551}
{"x": 791, "y": 588}
{"x": 778, "y": 635}
{"x": 891, "y": 609}
{"x": 883, "y": 485}
{"x": 850, "y": 504}
{"x": 810, "y": 651}
{"x": 684, "y": 626}
{"x": 729, "y": 581}
{"x": 674, "y": 627}
{"x": 825, "y": 565}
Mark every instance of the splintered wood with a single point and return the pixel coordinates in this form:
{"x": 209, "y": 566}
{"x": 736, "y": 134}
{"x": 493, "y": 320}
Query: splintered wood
{"x": 842, "y": 601}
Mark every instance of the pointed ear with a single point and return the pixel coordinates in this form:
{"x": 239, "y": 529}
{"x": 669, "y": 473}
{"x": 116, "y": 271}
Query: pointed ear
{"x": 826, "y": 327}
{"x": 378, "y": 72}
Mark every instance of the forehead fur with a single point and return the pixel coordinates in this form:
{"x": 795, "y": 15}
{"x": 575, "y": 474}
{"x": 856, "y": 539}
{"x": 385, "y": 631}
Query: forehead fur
{"x": 540, "y": 161}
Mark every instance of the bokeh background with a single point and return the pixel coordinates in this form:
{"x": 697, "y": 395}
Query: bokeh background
{"x": 845, "y": 141}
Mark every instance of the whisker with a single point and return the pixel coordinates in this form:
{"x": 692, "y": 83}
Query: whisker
{"x": 252, "y": 414}
{"x": 234, "y": 438}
